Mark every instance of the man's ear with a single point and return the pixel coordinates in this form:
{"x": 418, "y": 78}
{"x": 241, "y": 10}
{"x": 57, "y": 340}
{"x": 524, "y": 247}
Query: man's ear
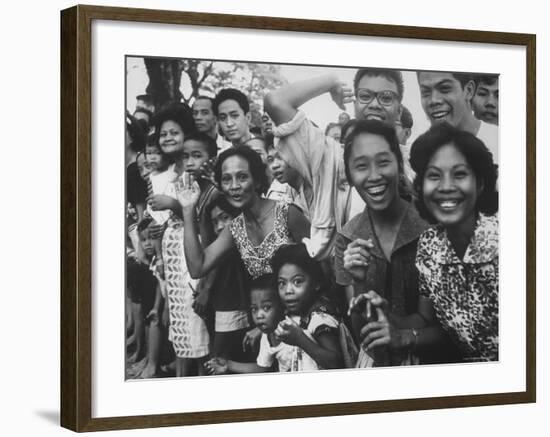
{"x": 470, "y": 90}
{"x": 248, "y": 117}
{"x": 407, "y": 133}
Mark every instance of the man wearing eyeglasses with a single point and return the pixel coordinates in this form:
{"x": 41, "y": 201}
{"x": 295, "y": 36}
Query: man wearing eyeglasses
{"x": 318, "y": 159}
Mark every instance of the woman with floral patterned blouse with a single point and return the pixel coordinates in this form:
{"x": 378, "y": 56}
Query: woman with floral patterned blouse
{"x": 457, "y": 260}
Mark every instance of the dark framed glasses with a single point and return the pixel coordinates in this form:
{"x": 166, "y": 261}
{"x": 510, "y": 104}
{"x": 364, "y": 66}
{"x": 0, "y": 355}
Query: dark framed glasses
{"x": 384, "y": 97}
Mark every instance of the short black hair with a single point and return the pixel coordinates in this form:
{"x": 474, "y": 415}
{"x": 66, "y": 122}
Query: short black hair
{"x": 374, "y": 127}
{"x": 206, "y": 140}
{"x": 406, "y": 117}
{"x": 474, "y": 150}
{"x": 463, "y": 78}
{"x": 201, "y": 97}
{"x": 298, "y": 255}
{"x": 138, "y": 136}
{"x": 144, "y": 224}
{"x": 231, "y": 94}
{"x": 179, "y": 113}
{"x": 392, "y": 75}
{"x": 487, "y": 79}
{"x": 346, "y": 127}
{"x": 264, "y": 282}
{"x": 145, "y": 111}
{"x": 256, "y": 138}
{"x": 256, "y": 166}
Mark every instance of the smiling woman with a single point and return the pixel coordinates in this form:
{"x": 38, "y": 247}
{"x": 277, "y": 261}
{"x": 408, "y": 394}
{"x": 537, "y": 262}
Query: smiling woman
{"x": 458, "y": 260}
{"x": 375, "y": 250}
{"x": 262, "y": 227}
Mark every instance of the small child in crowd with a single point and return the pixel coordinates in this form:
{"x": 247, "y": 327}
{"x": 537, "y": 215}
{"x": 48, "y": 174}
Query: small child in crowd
{"x": 308, "y": 338}
{"x": 267, "y": 311}
{"x": 229, "y": 297}
{"x": 143, "y": 286}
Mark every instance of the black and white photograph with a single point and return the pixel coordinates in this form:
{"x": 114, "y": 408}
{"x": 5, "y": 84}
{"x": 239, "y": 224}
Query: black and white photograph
{"x": 303, "y": 218}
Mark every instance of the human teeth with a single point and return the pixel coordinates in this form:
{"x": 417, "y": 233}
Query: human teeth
{"x": 439, "y": 114}
{"x": 448, "y": 204}
{"x": 376, "y": 190}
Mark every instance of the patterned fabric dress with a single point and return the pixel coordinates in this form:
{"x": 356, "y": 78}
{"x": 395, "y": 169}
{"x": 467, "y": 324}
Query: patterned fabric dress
{"x": 187, "y": 331}
{"x": 257, "y": 258}
{"x": 464, "y": 293}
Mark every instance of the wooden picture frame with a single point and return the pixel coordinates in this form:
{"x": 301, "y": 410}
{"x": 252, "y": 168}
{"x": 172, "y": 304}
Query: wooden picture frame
{"x": 76, "y": 217}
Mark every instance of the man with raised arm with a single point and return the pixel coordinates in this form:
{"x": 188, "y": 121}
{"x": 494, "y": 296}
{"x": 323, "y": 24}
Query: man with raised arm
{"x": 319, "y": 159}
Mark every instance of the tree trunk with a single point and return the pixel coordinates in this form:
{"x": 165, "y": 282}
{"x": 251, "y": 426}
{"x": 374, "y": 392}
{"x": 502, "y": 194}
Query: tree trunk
{"x": 164, "y": 80}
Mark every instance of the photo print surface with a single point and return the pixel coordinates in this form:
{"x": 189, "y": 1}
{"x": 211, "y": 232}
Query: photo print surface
{"x": 287, "y": 218}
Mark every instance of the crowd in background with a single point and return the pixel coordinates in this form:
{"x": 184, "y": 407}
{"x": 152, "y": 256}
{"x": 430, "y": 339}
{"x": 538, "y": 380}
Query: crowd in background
{"x": 293, "y": 247}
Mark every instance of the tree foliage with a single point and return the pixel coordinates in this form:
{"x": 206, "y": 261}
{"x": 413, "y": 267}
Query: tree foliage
{"x": 176, "y": 80}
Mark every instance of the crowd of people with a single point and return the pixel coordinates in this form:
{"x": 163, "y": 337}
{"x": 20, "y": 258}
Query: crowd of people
{"x": 289, "y": 247}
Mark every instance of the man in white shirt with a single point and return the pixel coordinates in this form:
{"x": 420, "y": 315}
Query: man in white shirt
{"x": 232, "y": 109}
{"x": 446, "y": 97}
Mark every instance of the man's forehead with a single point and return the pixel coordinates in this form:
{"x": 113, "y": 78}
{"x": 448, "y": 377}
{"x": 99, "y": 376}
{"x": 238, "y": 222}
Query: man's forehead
{"x": 202, "y": 104}
{"x": 229, "y": 105}
{"x": 434, "y": 77}
{"x": 490, "y": 87}
{"x": 376, "y": 82}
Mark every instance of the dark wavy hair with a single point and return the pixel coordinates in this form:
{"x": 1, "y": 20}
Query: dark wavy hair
{"x": 298, "y": 255}
{"x": 265, "y": 282}
{"x": 179, "y": 113}
{"x": 376, "y": 127}
{"x": 394, "y": 76}
{"x": 144, "y": 224}
{"x": 478, "y": 156}
{"x": 406, "y": 117}
{"x": 231, "y": 94}
{"x": 256, "y": 166}
{"x": 206, "y": 140}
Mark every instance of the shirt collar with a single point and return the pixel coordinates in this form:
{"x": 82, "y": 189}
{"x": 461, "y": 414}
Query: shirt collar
{"x": 483, "y": 246}
{"x": 410, "y": 229}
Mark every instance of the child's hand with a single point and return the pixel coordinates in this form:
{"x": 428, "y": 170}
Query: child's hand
{"x": 356, "y": 258}
{"x": 251, "y": 338}
{"x": 342, "y": 94}
{"x": 216, "y": 366}
{"x": 187, "y": 191}
{"x": 289, "y": 332}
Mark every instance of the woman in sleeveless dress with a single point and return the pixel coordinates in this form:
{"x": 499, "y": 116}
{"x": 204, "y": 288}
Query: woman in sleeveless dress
{"x": 262, "y": 227}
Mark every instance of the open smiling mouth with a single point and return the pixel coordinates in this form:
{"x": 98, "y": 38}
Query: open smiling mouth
{"x": 377, "y": 192}
{"x": 439, "y": 115}
{"x": 378, "y": 117}
{"x": 448, "y": 205}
